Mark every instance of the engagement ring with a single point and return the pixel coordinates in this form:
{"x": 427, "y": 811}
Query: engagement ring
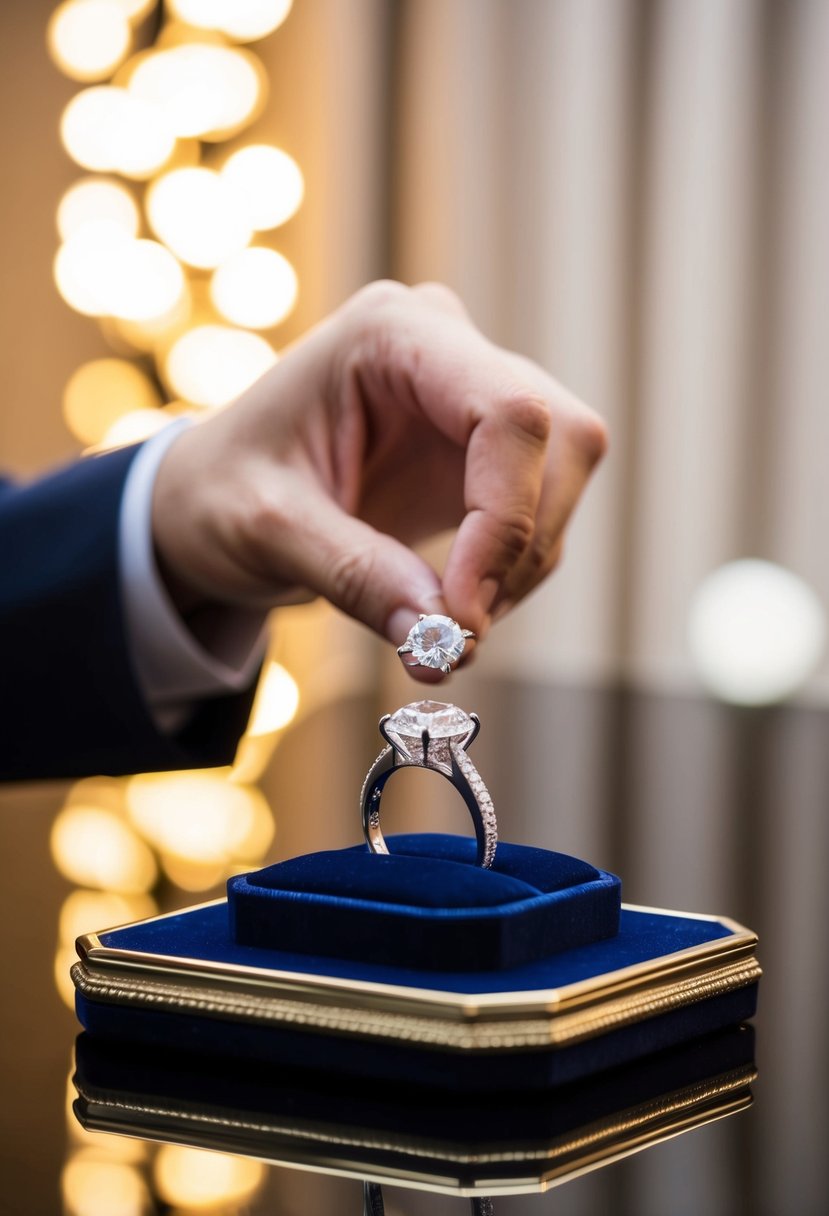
{"x": 430, "y": 734}
{"x": 435, "y": 641}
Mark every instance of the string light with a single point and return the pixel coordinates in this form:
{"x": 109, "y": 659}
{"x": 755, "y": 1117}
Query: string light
{"x": 197, "y": 1180}
{"x": 204, "y": 90}
{"x": 101, "y": 392}
{"x": 87, "y": 39}
{"x": 210, "y": 365}
{"x": 94, "y": 200}
{"x": 243, "y": 20}
{"x": 109, "y": 130}
{"x": 256, "y": 288}
{"x": 194, "y": 212}
{"x": 267, "y": 184}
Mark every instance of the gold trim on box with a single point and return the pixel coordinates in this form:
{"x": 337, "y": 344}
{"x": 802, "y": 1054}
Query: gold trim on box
{"x": 453, "y": 1021}
{"x": 332, "y": 1148}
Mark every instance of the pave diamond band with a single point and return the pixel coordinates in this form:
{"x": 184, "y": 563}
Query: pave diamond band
{"x": 433, "y": 735}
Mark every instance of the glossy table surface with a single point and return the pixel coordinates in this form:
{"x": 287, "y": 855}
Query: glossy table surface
{"x": 773, "y": 777}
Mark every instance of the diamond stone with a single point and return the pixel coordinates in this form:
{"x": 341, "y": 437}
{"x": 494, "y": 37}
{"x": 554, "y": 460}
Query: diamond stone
{"x": 436, "y": 641}
{"x": 442, "y": 721}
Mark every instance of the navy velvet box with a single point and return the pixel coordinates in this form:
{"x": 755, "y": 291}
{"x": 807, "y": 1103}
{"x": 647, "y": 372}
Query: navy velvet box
{"x": 184, "y": 981}
{"x": 427, "y": 905}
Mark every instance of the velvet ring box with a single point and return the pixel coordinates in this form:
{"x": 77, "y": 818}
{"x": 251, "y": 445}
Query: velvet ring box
{"x": 527, "y": 976}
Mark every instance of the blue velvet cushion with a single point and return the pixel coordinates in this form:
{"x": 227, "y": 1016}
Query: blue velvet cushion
{"x": 426, "y": 905}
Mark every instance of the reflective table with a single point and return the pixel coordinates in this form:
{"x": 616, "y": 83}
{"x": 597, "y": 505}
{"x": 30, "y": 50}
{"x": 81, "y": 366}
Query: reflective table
{"x": 705, "y": 808}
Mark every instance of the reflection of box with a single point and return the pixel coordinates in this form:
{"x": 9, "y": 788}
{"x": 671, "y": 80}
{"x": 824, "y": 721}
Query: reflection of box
{"x": 508, "y": 1143}
{"x": 181, "y": 980}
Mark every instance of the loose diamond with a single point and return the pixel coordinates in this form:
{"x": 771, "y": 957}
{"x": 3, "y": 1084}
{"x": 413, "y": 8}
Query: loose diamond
{"x": 436, "y": 641}
{"x": 442, "y": 721}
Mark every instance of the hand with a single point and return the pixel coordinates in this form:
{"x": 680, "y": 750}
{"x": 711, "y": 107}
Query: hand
{"x": 393, "y": 420}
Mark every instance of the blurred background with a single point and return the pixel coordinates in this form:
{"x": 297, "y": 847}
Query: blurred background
{"x": 632, "y": 192}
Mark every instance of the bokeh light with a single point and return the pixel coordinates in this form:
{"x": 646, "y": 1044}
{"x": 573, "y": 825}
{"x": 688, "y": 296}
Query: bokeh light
{"x": 146, "y": 281}
{"x": 276, "y": 703}
{"x": 135, "y": 427}
{"x": 147, "y": 336}
{"x": 93, "y": 847}
{"x": 256, "y": 288}
{"x": 93, "y": 201}
{"x": 267, "y": 183}
{"x": 210, "y": 365}
{"x": 93, "y": 911}
{"x": 756, "y": 632}
{"x": 109, "y": 130}
{"x": 101, "y": 271}
{"x": 197, "y": 1180}
{"x": 87, "y": 39}
{"x": 205, "y": 90}
{"x": 91, "y": 1187}
{"x": 102, "y": 391}
{"x": 242, "y": 20}
{"x": 83, "y": 266}
{"x": 196, "y": 214}
{"x": 201, "y": 818}
{"x": 89, "y": 912}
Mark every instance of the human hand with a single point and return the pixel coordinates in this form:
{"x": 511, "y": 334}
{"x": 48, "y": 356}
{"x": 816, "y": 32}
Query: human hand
{"x": 391, "y": 421}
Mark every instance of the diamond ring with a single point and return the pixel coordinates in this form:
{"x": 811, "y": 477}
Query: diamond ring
{"x": 430, "y": 734}
{"x": 435, "y": 641}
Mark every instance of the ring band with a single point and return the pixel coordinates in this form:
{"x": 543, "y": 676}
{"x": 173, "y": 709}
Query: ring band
{"x": 432, "y": 735}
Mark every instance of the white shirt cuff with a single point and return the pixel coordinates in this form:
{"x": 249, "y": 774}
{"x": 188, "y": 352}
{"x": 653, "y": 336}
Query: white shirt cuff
{"x": 174, "y": 669}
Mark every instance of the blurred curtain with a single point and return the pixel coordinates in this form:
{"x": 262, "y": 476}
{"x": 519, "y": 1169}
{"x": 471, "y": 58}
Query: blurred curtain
{"x": 636, "y": 194}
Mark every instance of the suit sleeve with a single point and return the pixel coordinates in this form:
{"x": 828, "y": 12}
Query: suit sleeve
{"x": 70, "y": 700}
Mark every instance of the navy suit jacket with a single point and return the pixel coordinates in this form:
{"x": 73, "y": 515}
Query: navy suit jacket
{"x": 70, "y": 703}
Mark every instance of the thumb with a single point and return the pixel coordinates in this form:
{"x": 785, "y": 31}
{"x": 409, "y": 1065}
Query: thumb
{"x": 364, "y": 572}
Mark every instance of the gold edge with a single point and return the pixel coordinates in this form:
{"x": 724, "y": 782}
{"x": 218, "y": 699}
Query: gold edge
{"x": 601, "y": 1142}
{"x": 465, "y": 1007}
{"x": 540, "y": 1032}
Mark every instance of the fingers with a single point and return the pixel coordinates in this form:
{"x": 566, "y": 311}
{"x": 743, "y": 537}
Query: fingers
{"x": 521, "y": 493}
{"x": 299, "y": 535}
{"x": 579, "y": 442}
{"x": 529, "y": 445}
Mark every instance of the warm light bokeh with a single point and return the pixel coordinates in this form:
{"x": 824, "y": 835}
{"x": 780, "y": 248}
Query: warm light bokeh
{"x": 200, "y": 817}
{"x": 87, "y": 39}
{"x": 204, "y": 90}
{"x": 91, "y": 1187}
{"x": 200, "y": 1181}
{"x": 256, "y": 288}
{"x": 243, "y": 20}
{"x": 268, "y": 184}
{"x": 94, "y": 200}
{"x": 277, "y": 701}
{"x": 211, "y": 364}
{"x": 197, "y": 215}
{"x": 102, "y": 391}
{"x": 93, "y": 847}
{"x": 109, "y": 130}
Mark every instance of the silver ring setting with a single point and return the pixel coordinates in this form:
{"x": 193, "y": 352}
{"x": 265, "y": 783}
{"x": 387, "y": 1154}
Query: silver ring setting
{"x": 435, "y": 641}
{"x": 432, "y": 735}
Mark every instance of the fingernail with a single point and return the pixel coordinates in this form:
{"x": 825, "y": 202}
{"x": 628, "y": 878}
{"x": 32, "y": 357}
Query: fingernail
{"x": 399, "y": 624}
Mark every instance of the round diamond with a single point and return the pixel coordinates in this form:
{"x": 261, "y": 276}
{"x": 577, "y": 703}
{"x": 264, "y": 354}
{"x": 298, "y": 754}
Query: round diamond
{"x": 440, "y": 720}
{"x": 436, "y": 641}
